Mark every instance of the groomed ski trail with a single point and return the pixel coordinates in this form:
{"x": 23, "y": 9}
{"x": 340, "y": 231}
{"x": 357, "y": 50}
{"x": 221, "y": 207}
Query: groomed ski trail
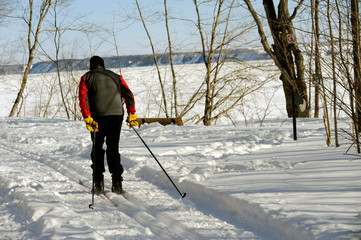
{"x": 148, "y": 210}
{"x": 153, "y": 225}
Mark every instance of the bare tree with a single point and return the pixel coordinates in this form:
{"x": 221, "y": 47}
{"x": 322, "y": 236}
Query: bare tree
{"x": 318, "y": 79}
{"x": 70, "y": 76}
{"x": 175, "y": 94}
{"x": 336, "y": 68}
{"x": 333, "y": 64}
{"x": 208, "y": 57}
{"x": 58, "y": 31}
{"x": 316, "y": 34}
{"x": 155, "y": 61}
{"x": 223, "y": 90}
{"x": 32, "y": 42}
{"x": 344, "y": 72}
{"x": 287, "y": 57}
{"x": 356, "y": 44}
{"x": 60, "y": 24}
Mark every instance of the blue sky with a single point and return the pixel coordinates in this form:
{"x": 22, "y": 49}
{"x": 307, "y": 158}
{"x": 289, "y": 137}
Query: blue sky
{"x": 132, "y": 38}
{"x": 130, "y": 35}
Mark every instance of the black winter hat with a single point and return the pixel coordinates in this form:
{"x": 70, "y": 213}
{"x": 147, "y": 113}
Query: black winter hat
{"x": 95, "y": 61}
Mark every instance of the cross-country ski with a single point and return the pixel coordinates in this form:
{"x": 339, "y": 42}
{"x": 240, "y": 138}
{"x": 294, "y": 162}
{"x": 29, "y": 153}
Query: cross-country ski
{"x": 102, "y": 196}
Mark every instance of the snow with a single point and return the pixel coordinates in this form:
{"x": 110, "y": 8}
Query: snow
{"x": 242, "y": 182}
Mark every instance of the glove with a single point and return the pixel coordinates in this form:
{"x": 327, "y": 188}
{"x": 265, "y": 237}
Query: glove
{"x": 132, "y": 119}
{"x": 91, "y": 125}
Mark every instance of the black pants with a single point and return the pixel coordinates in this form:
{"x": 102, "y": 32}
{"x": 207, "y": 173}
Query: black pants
{"x": 109, "y": 131}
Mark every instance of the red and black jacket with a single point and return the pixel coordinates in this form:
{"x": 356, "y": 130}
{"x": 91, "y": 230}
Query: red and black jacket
{"x": 101, "y": 93}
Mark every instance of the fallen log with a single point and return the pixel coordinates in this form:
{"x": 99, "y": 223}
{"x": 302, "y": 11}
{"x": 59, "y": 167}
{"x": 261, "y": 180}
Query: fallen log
{"x": 163, "y": 121}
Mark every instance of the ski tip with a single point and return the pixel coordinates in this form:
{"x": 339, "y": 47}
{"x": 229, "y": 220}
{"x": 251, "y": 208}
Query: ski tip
{"x": 183, "y": 195}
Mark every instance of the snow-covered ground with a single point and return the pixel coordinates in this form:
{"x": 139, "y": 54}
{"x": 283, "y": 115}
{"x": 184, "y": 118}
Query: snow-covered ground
{"x": 241, "y": 182}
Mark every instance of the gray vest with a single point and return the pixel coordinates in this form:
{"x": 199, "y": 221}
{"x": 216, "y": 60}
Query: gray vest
{"x": 104, "y": 95}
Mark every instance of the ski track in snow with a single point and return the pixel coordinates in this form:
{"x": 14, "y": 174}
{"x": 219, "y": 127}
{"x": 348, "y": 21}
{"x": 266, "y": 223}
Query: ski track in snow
{"x": 41, "y": 199}
{"x": 148, "y": 209}
{"x": 69, "y": 175}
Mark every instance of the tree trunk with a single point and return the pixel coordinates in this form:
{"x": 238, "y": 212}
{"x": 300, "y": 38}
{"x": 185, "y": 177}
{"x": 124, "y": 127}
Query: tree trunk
{"x": 22, "y": 87}
{"x": 332, "y": 42}
{"x": 175, "y": 94}
{"x": 316, "y": 32}
{"x": 43, "y": 11}
{"x": 208, "y": 59}
{"x": 288, "y": 55}
{"x": 164, "y": 99}
{"x": 355, "y": 24}
{"x": 57, "y": 38}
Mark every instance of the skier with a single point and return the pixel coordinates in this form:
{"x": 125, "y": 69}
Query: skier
{"x": 101, "y": 96}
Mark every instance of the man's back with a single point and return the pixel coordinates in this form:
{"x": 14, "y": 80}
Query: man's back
{"x": 103, "y": 94}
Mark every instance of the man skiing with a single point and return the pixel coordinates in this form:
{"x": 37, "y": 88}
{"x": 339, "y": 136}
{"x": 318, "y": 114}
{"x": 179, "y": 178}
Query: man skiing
{"x": 101, "y": 96}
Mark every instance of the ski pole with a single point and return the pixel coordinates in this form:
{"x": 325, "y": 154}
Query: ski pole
{"x": 91, "y": 206}
{"x": 182, "y": 194}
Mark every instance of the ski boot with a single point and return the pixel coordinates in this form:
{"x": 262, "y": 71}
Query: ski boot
{"x": 99, "y": 184}
{"x": 117, "y": 185}
{"x": 99, "y": 187}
